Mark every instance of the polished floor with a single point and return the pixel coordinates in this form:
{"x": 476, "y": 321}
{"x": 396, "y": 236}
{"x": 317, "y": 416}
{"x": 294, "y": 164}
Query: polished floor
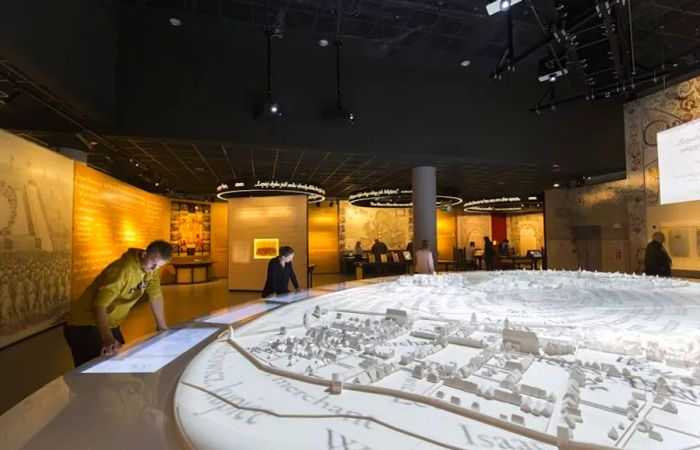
{"x": 46, "y": 356}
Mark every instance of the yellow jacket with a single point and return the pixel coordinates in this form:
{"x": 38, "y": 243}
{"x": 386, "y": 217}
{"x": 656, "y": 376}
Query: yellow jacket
{"x": 117, "y": 288}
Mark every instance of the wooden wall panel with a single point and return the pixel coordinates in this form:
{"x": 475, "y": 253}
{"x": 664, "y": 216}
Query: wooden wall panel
{"x": 280, "y": 217}
{"x": 219, "y": 239}
{"x": 323, "y": 238}
{"x": 109, "y": 217}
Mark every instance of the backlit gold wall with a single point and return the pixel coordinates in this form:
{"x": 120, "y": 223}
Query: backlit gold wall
{"x": 446, "y": 234}
{"x": 282, "y": 217}
{"x": 323, "y": 238}
{"x": 219, "y": 239}
{"x": 110, "y": 217}
{"x": 525, "y": 232}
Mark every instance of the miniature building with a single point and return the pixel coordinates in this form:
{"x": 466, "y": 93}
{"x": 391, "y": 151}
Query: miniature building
{"x": 398, "y": 315}
{"x": 336, "y": 384}
{"x": 521, "y": 341}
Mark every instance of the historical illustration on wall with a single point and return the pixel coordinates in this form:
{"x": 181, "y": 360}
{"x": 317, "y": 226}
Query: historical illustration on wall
{"x": 266, "y": 248}
{"x": 526, "y": 232}
{"x": 393, "y": 226}
{"x": 36, "y": 210}
{"x": 190, "y": 228}
{"x": 473, "y": 228}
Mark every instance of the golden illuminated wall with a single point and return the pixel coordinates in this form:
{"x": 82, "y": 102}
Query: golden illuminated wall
{"x": 525, "y": 232}
{"x": 110, "y": 217}
{"x": 394, "y": 226}
{"x": 473, "y": 227}
{"x": 282, "y": 217}
{"x": 323, "y": 238}
{"x": 219, "y": 239}
{"x": 446, "y": 234}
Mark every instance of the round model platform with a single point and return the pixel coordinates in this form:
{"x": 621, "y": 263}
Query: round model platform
{"x": 500, "y": 360}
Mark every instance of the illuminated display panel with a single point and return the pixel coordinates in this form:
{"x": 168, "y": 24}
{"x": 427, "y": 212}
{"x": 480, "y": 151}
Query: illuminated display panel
{"x": 266, "y": 248}
{"x": 153, "y": 354}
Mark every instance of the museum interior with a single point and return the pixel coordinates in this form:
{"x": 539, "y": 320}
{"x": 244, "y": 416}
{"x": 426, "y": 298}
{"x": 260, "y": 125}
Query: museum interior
{"x": 350, "y": 224}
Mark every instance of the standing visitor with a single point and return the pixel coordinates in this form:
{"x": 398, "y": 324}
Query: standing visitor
{"x": 488, "y": 253}
{"x": 424, "y": 259}
{"x": 656, "y": 259}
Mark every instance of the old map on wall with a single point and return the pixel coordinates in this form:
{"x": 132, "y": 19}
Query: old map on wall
{"x": 36, "y": 211}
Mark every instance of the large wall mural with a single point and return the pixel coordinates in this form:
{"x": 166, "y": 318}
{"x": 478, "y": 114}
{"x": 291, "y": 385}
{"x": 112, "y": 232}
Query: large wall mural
{"x": 36, "y": 209}
{"x": 393, "y": 226}
{"x": 525, "y": 232}
{"x": 473, "y": 228}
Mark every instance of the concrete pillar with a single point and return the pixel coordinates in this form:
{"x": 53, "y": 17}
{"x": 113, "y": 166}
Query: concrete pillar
{"x": 424, "y": 186}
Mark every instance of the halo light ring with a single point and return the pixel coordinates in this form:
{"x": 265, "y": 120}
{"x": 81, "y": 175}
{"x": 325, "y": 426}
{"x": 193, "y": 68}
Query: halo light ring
{"x": 394, "y": 198}
{"x": 233, "y": 193}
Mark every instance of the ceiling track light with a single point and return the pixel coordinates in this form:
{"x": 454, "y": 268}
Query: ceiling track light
{"x": 500, "y": 6}
{"x": 271, "y": 109}
{"x": 338, "y": 116}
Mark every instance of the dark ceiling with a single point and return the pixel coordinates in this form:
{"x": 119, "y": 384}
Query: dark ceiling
{"x": 608, "y": 50}
{"x": 197, "y": 168}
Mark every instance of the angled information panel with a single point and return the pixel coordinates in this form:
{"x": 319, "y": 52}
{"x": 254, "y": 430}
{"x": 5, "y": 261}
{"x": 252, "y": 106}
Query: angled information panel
{"x": 154, "y": 354}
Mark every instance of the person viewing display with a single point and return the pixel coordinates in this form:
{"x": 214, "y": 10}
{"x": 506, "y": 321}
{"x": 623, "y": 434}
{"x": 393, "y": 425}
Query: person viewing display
{"x": 378, "y": 249}
{"x": 358, "y": 251}
{"x": 279, "y": 273}
{"x": 656, "y": 259}
{"x": 503, "y": 248}
{"x": 469, "y": 255}
{"x": 488, "y": 253}
{"x": 92, "y": 323}
{"x": 424, "y": 259}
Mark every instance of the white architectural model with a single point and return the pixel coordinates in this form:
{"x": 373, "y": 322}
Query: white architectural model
{"x": 513, "y": 360}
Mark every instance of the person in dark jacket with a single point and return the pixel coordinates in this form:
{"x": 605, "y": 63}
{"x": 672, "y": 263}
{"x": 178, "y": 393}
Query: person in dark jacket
{"x": 279, "y": 272}
{"x": 656, "y": 259}
{"x": 488, "y": 253}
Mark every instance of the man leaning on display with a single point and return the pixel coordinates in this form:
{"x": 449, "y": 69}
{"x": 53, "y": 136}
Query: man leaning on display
{"x": 92, "y": 324}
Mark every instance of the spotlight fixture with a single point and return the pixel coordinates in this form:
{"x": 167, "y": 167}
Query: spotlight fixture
{"x": 271, "y": 108}
{"x": 556, "y": 185}
{"x": 465, "y": 63}
{"x": 338, "y": 116}
{"x": 500, "y": 6}
{"x": 323, "y": 42}
{"x": 174, "y": 21}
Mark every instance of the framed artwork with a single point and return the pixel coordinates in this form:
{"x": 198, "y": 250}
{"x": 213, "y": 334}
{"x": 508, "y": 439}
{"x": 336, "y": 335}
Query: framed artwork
{"x": 190, "y": 228}
{"x": 266, "y": 248}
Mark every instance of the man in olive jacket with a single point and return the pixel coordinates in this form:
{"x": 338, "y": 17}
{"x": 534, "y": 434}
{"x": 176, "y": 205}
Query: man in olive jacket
{"x": 656, "y": 259}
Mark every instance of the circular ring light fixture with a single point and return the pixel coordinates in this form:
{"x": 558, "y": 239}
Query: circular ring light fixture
{"x": 266, "y": 188}
{"x": 504, "y": 204}
{"x": 395, "y": 198}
